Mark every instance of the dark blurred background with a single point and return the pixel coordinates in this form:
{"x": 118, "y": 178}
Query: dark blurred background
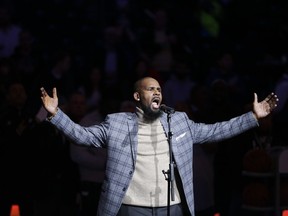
{"x": 210, "y": 56}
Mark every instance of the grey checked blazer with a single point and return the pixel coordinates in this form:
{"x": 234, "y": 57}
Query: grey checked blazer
{"x": 118, "y": 133}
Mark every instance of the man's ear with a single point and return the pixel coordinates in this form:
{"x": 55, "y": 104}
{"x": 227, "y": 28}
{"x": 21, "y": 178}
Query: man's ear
{"x": 136, "y": 96}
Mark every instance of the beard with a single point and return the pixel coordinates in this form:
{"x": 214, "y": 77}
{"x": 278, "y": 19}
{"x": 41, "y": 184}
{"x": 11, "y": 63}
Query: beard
{"x": 151, "y": 115}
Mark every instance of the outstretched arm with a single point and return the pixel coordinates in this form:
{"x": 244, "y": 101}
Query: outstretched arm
{"x": 49, "y": 103}
{"x": 265, "y": 107}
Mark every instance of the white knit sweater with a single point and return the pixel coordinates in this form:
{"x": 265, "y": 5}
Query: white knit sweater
{"x": 149, "y": 186}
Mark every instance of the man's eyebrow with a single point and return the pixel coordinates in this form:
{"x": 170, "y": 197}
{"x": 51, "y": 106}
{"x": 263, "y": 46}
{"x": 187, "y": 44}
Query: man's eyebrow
{"x": 153, "y": 87}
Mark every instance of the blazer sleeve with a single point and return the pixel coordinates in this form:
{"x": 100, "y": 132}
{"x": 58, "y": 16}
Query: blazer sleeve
{"x": 219, "y": 131}
{"x": 94, "y": 135}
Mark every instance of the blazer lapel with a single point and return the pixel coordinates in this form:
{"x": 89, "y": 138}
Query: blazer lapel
{"x": 133, "y": 131}
{"x": 164, "y": 122}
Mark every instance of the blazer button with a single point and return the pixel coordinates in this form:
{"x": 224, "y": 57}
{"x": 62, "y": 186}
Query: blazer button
{"x": 130, "y": 172}
{"x": 124, "y": 189}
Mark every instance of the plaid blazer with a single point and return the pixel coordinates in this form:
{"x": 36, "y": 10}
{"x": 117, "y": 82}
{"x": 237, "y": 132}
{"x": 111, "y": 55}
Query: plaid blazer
{"x": 118, "y": 133}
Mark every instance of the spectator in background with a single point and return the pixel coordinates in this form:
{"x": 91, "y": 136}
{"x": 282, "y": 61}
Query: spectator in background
{"x": 91, "y": 162}
{"x": 204, "y": 191}
{"x": 280, "y": 117}
{"x": 198, "y": 102}
{"x": 162, "y": 39}
{"x": 157, "y": 38}
{"x": 6, "y": 75}
{"x": 26, "y": 57}
{"x": 60, "y": 73}
{"x": 115, "y": 58}
{"x": 228, "y": 153}
{"x": 127, "y": 106}
{"x": 224, "y": 69}
{"x": 92, "y": 87}
{"x": 9, "y": 32}
{"x": 203, "y": 157}
{"x": 144, "y": 68}
{"x": 210, "y": 16}
{"x": 58, "y": 179}
{"x": 178, "y": 87}
{"x": 17, "y": 159}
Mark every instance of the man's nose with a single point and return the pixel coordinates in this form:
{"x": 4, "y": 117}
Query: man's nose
{"x": 157, "y": 92}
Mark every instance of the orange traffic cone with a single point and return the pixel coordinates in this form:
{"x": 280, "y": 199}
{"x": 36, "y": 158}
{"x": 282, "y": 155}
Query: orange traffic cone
{"x": 15, "y": 211}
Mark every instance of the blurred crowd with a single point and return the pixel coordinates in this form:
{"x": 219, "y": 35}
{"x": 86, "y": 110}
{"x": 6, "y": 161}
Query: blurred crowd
{"x": 208, "y": 55}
